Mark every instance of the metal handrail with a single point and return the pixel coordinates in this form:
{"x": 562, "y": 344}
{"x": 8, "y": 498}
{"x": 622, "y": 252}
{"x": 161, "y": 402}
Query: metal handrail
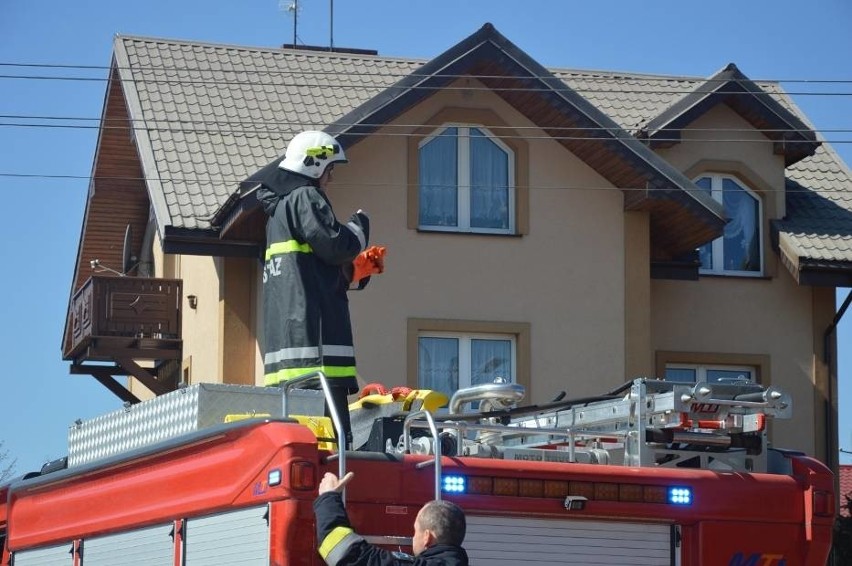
{"x": 434, "y": 430}
{"x": 313, "y": 377}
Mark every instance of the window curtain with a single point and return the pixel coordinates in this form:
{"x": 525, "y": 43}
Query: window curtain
{"x": 705, "y": 252}
{"x": 490, "y": 359}
{"x": 742, "y": 244}
{"x": 489, "y": 190}
{"x": 439, "y": 180}
{"x": 439, "y": 364}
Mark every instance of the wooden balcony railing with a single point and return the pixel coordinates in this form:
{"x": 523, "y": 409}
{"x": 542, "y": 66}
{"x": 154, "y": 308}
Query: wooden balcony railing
{"x": 123, "y": 319}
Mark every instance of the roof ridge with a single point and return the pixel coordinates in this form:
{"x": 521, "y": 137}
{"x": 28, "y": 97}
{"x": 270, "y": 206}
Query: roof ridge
{"x": 260, "y": 49}
{"x": 626, "y": 74}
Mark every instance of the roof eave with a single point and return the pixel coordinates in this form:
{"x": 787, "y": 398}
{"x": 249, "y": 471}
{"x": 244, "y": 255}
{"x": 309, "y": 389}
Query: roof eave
{"x": 806, "y": 270}
{"x": 206, "y": 242}
{"x": 666, "y": 129}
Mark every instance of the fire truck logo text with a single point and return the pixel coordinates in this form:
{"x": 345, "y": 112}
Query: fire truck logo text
{"x": 740, "y": 559}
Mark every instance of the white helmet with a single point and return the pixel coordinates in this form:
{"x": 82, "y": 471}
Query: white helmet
{"x": 309, "y": 153}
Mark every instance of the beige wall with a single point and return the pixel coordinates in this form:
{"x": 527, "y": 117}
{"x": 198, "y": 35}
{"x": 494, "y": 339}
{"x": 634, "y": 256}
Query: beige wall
{"x": 565, "y": 278}
{"x": 202, "y": 328}
{"x": 727, "y": 316}
{"x": 639, "y": 361}
{"x": 238, "y": 305}
{"x": 767, "y": 318}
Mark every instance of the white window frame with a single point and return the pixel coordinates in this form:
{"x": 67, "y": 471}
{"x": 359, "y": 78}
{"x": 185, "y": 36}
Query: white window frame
{"x": 701, "y": 370}
{"x": 465, "y": 339}
{"x": 463, "y": 173}
{"x": 718, "y": 246}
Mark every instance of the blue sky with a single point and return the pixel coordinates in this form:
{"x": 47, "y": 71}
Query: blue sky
{"x": 41, "y": 220}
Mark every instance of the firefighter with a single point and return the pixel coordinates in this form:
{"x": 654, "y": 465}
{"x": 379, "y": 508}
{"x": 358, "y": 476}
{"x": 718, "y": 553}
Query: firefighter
{"x": 308, "y": 269}
{"x": 439, "y": 530}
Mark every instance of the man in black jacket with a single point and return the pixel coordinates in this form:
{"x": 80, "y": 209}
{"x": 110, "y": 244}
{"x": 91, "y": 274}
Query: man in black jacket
{"x": 439, "y": 530}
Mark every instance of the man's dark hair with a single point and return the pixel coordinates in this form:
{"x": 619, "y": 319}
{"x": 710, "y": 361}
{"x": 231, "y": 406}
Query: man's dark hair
{"x": 445, "y": 520}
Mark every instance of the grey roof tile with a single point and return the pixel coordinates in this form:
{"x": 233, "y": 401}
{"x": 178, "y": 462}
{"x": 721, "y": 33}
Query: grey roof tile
{"x": 215, "y": 114}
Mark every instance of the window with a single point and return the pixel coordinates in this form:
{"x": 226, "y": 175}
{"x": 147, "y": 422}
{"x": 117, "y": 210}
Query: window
{"x": 448, "y": 362}
{"x": 739, "y": 251}
{"x": 692, "y": 373}
{"x": 466, "y": 181}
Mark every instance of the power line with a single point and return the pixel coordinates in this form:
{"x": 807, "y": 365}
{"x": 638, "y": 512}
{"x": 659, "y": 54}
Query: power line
{"x": 223, "y": 127}
{"x": 148, "y": 123}
{"x": 579, "y": 74}
{"x": 281, "y": 133}
{"x": 215, "y": 180}
{"x": 484, "y": 88}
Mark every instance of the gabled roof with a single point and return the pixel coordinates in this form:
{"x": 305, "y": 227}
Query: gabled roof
{"x": 207, "y": 116}
{"x": 551, "y": 104}
{"x": 682, "y": 217}
{"x": 730, "y": 86}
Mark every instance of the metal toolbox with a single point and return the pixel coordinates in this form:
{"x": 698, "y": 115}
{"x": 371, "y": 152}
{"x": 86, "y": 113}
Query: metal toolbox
{"x": 180, "y": 412}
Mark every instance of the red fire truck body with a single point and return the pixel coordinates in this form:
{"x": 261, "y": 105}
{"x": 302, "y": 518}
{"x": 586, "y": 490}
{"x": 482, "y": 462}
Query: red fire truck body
{"x": 242, "y": 493}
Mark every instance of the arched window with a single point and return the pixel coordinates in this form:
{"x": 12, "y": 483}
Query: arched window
{"x": 466, "y": 181}
{"x": 739, "y": 251}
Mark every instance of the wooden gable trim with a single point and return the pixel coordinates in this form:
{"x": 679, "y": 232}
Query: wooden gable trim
{"x": 117, "y": 197}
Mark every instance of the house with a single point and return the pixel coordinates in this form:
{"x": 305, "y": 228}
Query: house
{"x": 568, "y": 230}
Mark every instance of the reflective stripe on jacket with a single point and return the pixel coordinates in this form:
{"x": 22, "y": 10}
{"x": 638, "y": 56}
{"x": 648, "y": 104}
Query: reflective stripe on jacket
{"x": 339, "y": 545}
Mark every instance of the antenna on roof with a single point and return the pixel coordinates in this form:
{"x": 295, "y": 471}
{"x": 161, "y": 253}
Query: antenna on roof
{"x": 331, "y": 25}
{"x": 291, "y": 6}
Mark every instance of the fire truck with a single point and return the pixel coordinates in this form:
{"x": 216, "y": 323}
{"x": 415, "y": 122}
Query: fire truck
{"x": 651, "y": 473}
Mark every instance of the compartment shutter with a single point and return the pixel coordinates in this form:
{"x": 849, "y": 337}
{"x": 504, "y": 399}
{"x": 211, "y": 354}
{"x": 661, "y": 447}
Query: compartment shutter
{"x": 151, "y": 546}
{"x": 518, "y": 540}
{"x": 226, "y": 539}
{"x": 60, "y": 554}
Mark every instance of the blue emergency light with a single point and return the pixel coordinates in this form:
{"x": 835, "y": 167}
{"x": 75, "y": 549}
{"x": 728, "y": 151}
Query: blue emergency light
{"x": 680, "y": 495}
{"x": 453, "y": 484}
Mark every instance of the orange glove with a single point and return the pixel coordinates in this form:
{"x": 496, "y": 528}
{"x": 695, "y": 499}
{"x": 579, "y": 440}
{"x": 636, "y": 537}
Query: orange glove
{"x": 369, "y": 262}
{"x": 372, "y": 389}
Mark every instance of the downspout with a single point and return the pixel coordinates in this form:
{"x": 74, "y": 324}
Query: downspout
{"x": 829, "y": 430}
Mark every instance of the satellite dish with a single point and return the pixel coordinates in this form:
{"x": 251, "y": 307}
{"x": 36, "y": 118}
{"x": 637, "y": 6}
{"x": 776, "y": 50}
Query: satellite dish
{"x": 128, "y": 260}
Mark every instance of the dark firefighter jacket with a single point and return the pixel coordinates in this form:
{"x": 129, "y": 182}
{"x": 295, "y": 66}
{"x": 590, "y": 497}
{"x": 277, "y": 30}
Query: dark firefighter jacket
{"x": 305, "y": 278}
{"x": 341, "y": 546}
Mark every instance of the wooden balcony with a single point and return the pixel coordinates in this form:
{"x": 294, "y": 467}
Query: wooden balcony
{"x": 125, "y": 320}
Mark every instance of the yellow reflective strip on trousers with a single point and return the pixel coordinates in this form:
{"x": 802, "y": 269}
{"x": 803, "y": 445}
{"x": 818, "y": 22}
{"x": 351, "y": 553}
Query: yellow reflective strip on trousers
{"x": 277, "y": 377}
{"x": 333, "y": 539}
{"x": 288, "y": 247}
